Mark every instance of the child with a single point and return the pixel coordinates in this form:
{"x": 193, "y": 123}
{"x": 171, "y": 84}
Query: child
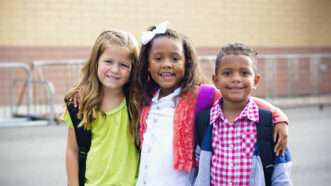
{"x": 103, "y": 110}
{"x": 231, "y": 147}
{"x": 167, "y": 82}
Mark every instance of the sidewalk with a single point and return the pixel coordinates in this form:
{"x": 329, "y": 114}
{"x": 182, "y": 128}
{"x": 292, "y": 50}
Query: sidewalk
{"x": 296, "y": 102}
{"x": 34, "y": 156}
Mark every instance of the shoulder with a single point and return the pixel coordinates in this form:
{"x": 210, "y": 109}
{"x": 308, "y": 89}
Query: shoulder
{"x": 67, "y": 119}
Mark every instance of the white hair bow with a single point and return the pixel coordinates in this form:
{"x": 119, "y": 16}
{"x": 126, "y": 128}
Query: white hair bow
{"x": 147, "y": 36}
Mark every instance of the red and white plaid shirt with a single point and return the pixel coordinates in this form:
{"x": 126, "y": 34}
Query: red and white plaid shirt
{"x": 233, "y": 145}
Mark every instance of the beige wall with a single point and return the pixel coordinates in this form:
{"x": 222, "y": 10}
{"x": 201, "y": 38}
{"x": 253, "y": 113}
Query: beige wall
{"x": 211, "y": 23}
{"x": 66, "y": 29}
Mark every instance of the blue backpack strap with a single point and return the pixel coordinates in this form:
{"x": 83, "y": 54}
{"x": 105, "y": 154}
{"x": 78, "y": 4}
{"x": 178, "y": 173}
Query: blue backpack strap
{"x": 203, "y": 130}
{"x": 266, "y": 144}
{"x": 204, "y": 102}
{"x": 83, "y": 138}
{"x": 264, "y": 138}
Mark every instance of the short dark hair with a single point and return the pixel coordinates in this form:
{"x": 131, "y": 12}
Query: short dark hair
{"x": 235, "y": 49}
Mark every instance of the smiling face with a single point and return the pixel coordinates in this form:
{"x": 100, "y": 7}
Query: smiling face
{"x": 114, "y": 67}
{"x": 166, "y": 63}
{"x": 236, "y": 78}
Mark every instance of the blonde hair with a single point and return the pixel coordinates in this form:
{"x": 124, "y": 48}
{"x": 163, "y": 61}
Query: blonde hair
{"x": 89, "y": 87}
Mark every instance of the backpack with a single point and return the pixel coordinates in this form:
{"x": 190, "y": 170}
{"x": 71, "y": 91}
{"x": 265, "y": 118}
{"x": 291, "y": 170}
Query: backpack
{"x": 204, "y": 98}
{"x": 264, "y": 138}
{"x": 83, "y": 138}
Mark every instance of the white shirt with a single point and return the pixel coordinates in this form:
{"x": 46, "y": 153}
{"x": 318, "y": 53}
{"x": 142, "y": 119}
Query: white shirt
{"x": 156, "y": 164}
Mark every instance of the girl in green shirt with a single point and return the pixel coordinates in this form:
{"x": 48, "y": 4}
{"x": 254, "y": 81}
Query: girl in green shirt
{"x": 103, "y": 109}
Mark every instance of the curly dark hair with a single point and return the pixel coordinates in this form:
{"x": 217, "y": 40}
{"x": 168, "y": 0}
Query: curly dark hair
{"x": 145, "y": 86}
{"x": 235, "y": 49}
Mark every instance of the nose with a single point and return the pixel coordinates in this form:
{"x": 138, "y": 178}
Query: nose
{"x": 236, "y": 77}
{"x": 166, "y": 63}
{"x": 114, "y": 68}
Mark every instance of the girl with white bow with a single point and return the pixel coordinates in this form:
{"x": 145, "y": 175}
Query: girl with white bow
{"x": 167, "y": 82}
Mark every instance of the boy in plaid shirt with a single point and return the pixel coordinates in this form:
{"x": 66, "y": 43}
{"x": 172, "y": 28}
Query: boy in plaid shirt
{"x": 232, "y": 158}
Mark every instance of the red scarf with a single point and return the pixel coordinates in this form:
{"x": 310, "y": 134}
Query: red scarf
{"x": 183, "y": 126}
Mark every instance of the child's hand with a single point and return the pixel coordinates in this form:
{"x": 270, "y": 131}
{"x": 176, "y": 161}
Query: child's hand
{"x": 280, "y": 134}
{"x": 75, "y": 99}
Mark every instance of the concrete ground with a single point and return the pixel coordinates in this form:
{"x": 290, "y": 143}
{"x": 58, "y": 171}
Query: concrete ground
{"x": 34, "y": 156}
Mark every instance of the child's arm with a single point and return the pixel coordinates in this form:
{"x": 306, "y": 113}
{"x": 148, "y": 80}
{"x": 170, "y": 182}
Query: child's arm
{"x": 72, "y": 158}
{"x": 280, "y": 134}
{"x": 278, "y": 115}
{"x": 281, "y": 128}
{"x": 282, "y": 170}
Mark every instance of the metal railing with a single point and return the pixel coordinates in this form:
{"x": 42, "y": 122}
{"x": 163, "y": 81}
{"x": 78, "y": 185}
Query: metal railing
{"x": 62, "y": 73}
{"x": 304, "y": 75}
{"x": 24, "y": 99}
{"x": 8, "y": 83}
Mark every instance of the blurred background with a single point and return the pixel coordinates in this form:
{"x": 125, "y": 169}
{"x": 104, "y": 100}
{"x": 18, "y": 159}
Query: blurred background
{"x": 43, "y": 44}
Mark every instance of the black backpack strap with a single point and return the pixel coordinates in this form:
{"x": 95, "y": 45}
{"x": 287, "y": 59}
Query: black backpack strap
{"x": 266, "y": 144}
{"x": 83, "y": 138}
{"x": 201, "y": 126}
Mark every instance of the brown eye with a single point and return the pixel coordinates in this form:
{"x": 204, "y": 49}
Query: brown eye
{"x": 157, "y": 59}
{"x": 246, "y": 73}
{"x": 175, "y": 59}
{"x": 109, "y": 61}
{"x": 226, "y": 73}
{"x": 125, "y": 65}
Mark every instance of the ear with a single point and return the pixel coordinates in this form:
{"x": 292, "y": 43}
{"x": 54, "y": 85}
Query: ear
{"x": 257, "y": 80}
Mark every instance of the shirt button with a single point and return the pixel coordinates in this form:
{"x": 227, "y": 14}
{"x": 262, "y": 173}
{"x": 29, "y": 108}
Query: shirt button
{"x": 230, "y": 146}
{"x": 157, "y": 108}
{"x": 231, "y": 165}
{"x": 155, "y": 120}
{"x": 230, "y": 184}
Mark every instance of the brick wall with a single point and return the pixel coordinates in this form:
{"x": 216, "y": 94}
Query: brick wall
{"x": 60, "y": 30}
{"x": 283, "y": 74}
{"x": 286, "y": 72}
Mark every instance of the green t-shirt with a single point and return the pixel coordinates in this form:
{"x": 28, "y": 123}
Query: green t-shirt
{"x": 113, "y": 157}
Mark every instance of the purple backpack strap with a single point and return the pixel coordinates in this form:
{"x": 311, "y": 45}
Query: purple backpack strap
{"x": 205, "y": 97}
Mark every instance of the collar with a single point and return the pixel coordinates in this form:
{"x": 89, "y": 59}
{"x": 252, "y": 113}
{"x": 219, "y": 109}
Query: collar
{"x": 250, "y": 112}
{"x": 171, "y": 96}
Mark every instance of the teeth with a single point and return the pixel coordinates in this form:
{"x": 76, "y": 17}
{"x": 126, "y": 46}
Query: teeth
{"x": 112, "y": 77}
{"x": 166, "y": 74}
